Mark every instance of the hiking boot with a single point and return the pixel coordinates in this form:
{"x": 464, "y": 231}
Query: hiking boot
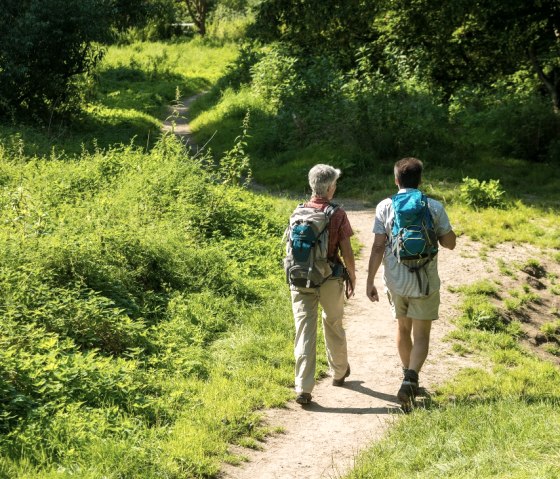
{"x": 303, "y": 398}
{"x": 408, "y": 390}
{"x": 340, "y": 382}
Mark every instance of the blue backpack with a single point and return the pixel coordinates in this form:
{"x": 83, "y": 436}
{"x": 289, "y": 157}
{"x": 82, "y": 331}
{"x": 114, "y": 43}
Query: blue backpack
{"x": 413, "y": 235}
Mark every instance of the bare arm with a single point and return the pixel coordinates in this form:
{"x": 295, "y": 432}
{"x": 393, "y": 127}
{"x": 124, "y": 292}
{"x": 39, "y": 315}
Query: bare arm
{"x": 448, "y": 240}
{"x": 348, "y": 256}
{"x": 375, "y": 259}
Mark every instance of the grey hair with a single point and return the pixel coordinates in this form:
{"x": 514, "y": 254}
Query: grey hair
{"x": 321, "y": 177}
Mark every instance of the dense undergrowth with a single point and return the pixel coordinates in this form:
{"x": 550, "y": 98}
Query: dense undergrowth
{"x": 135, "y": 290}
{"x": 125, "y": 98}
{"x": 306, "y": 110}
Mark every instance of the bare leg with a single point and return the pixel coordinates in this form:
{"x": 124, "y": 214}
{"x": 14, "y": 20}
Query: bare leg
{"x": 404, "y": 340}
{"x": 413, "y": 353}
{"x": 421, "y": 333}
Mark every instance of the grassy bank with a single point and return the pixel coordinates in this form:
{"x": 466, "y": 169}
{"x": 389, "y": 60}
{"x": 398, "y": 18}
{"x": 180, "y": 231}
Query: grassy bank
{"x": 126, "y": 98}
{"x": 144, "y": 315}
{"x": 144, "y": 311}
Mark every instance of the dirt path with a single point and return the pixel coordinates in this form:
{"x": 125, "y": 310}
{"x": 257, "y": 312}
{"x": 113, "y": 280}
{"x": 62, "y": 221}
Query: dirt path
{"x": 323, "y": 439}
{"x": 177, "y": 120}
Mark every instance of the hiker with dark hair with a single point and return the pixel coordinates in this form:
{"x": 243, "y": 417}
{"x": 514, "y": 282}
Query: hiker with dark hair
{"x": 318, "y": 235}
{"x": 408, "y": 228}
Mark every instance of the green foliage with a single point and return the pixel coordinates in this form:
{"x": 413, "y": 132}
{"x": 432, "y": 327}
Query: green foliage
{"x": 327, "y": 27}
{"x": 519, "y": 299}
{"x": 235, "y": 164}
{"x": 480, "y": 313}
{"x": 509, "y": 119}
{"x": 483, "y": 288}
{"x": 482, "y": 194}
{"x": 534, "y": 268}
{"x": 483, "y": 440}
{"x": 120, "y": 271}
{"x": 457, "y": 43}
{"x": 145, "y": 19}
{"x": 521, "y": 224}
{"x": 229, "y": 23}
{"x": 44, "y": 50}
{"x": 134, "y": 85}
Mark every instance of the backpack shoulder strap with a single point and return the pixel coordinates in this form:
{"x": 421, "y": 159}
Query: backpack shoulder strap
{"x": 330, "y": 209}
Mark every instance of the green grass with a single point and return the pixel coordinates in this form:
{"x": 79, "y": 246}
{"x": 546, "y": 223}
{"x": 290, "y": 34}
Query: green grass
{"x": 144, "y": 312}
{"x": 507, "y": 438}
{"x": 531, "y": 195}
{"x": 551, "y": 330}
{"x": 134, "y": 85}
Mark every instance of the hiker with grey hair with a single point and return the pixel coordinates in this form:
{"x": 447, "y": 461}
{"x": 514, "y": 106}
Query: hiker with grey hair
{"x": 408, "y": 228}
{"x": 320, "y": 269}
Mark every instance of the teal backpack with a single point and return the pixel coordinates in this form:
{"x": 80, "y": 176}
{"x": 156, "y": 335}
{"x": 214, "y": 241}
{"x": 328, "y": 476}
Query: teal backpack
{"x": 413, "y": 235}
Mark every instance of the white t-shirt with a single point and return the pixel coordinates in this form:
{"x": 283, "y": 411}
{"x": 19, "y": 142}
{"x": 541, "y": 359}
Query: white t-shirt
{"x": 396, "y": 276}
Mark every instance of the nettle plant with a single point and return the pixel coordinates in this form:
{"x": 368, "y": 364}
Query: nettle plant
{"x": 482, "y": 194}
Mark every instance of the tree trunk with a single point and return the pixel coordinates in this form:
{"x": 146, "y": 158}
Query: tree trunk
{"x": 198, "y": 10}
{"x": 551, "y": 82}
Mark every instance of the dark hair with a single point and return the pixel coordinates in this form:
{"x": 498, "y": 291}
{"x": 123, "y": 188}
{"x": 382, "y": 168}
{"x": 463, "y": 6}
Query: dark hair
{"x": 408, "y": 172}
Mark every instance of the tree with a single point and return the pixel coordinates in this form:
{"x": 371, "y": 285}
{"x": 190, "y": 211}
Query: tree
{"x": 335, "y": 27}
{"x": 198, "y": 10}
{"x": 44, "y": 46}
{"x": 456, "y": 42}
{"x": 154, "y": 16}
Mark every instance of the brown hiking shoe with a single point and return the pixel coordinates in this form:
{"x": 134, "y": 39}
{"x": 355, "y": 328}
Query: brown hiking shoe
{"x": 408, "y": 390}
{"x": 303, "y": 398}
{"x": 340, "y": 382}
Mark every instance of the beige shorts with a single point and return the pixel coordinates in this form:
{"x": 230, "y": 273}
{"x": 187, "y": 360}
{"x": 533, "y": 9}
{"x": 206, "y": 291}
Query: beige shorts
{"x": 425, "y": 307}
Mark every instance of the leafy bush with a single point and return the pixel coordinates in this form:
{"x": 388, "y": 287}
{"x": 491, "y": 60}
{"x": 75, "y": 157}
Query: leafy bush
{"x": 275, "y": 75}
{"x": 145, "y": 19}
{"x": 509, "y": 123}
{"x": 482, "y": 194}
{"x": 391, "y": 121}
{"x": 112, "y": 294}
{"x": 44, "y": 50}
{"x": 228, "y": 24}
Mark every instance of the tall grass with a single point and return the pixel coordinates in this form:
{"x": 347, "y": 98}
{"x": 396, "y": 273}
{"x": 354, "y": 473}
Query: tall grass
{"x": 128, "y": 95}
{"x": 144, "y": 314}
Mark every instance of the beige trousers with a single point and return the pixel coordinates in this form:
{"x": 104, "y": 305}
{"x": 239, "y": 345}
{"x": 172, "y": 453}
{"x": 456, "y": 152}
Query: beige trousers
{"x": 305, "y": 303}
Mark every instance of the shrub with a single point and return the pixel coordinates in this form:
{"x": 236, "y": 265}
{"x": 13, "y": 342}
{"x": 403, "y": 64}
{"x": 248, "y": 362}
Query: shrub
{"x": 482, "y": 194}
{"x": 274, "y": 76}
{"x": 505, "y": 122}
{"x": 44, "y": 49}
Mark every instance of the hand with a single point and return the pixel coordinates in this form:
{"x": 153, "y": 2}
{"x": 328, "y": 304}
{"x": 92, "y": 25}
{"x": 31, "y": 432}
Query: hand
{"x": 350, "y": 286}
{"x": 371, "y": 292}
